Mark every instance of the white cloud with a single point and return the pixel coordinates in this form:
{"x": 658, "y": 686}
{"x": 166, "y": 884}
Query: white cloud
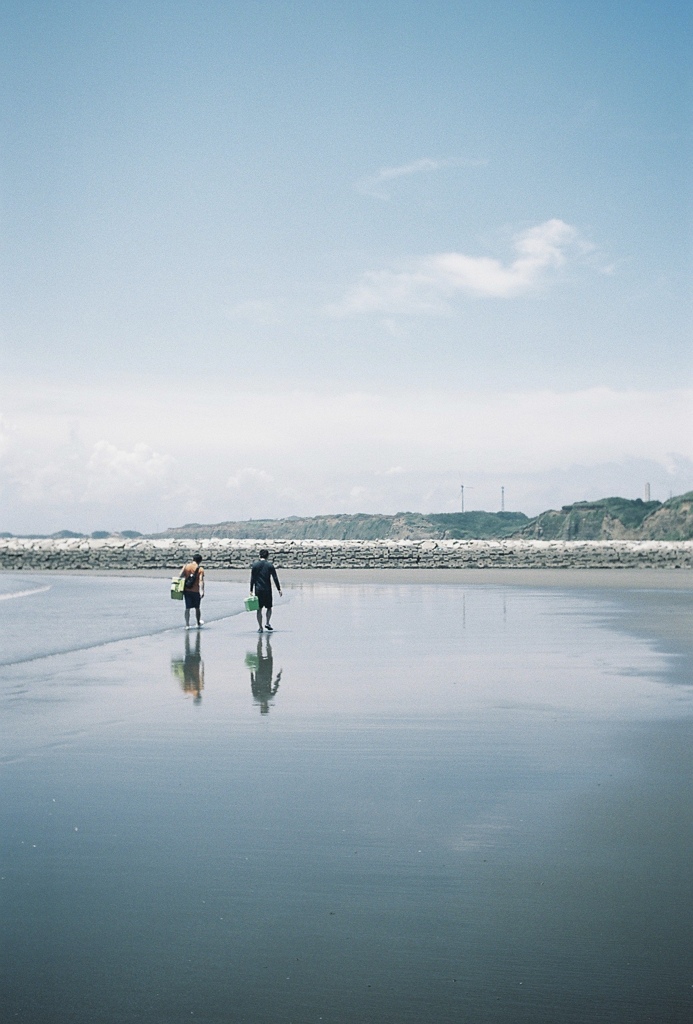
{"x": 45, "y": 472}
{"x": 358, "y": 492}
{"x": 373, "y": 184}
{"x": 539, "y": 249}
{"x": 400, "y": 293}
{"x": 428, "y": 285}
{"x": 312, "y": 452}
{"x": 112, "y": 471}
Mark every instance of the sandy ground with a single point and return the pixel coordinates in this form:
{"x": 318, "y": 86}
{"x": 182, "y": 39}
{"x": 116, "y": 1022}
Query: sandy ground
{"x": 590, "y": 579}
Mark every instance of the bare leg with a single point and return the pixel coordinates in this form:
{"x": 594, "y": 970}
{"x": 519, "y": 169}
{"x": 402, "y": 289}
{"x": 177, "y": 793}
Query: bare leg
{"x": 187, "y": 617}
{"x": 259, "y": 619}
{"x": 268, "y": 617}
{"x": 199, "y": 616}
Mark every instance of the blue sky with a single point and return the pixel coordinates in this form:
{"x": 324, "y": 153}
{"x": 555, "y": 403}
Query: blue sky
{"x": 243, "y": 213}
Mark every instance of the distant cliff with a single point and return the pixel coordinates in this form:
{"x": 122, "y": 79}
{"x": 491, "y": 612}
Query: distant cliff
{"x": 616, "y": 519}
{"x": 403, "y": 526}
{"x": 606, "y": 519}
{"x": 671, "y": 521}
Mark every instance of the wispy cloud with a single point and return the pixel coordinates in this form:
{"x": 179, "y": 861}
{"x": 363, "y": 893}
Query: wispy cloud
{"x": 373, "y": 185}
{"x": 429, "y": 284}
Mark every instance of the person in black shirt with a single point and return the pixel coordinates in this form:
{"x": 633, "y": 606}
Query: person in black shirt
{"x": 261, "y": 576}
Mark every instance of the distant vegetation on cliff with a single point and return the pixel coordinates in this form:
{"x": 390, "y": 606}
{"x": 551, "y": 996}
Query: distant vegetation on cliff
{"x": 616, "y": 519}
{"x": 403, "y": 526}
{"x": 606, "y": 519}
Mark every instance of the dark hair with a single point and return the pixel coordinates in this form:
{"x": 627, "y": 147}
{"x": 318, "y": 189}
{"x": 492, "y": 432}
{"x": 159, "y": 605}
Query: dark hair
{"x": 264, "y": 553}
{"x": 197, "y": 558}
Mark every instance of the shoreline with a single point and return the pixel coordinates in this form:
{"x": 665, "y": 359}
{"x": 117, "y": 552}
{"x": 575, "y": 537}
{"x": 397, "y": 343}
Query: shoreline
{"x": 563, "y": 578}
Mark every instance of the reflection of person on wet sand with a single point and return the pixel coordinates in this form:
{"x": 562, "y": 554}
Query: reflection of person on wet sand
{"x": 262, "y": 684}
{"x": 191, "y": 669}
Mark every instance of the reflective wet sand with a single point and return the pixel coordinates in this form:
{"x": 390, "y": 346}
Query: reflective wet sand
{"x": 412, "y": 802}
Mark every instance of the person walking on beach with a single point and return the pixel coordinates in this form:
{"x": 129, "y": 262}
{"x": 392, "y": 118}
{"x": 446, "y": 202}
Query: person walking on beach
{"x": 193, "y": 589}
{"x": 261, "y": 576}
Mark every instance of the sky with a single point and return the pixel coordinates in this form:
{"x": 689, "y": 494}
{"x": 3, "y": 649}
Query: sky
{"x": 273, "y": 258}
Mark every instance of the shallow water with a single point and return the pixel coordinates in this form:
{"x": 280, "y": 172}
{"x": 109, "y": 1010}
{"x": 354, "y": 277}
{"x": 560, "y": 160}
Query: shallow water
{"x": 46, "y": 614}
{"x": 410, "y": 803}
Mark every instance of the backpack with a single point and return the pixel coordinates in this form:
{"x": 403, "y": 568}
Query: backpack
{"x": 190, "y": 579}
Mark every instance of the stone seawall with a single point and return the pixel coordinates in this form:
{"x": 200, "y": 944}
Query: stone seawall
{"x": 171, "y": 554}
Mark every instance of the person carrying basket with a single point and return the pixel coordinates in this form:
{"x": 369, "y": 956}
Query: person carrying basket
{"x": 261, "y": 575}
{"x": 193, "y": 588}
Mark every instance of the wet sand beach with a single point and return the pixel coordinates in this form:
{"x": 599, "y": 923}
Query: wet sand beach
{"x": 598, "y": 579}
{"x": 428, "y": 796}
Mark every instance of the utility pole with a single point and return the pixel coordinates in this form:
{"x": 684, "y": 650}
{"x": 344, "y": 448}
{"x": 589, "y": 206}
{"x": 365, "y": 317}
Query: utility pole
{"x": 502, "y": 499}
{"x": 462, "y": 488}
{"x": 647, "y": 492}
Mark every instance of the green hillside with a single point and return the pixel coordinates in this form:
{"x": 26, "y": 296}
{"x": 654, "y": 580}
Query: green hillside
{"x": 606, "y": 519}
{"x": 672, "y": 521}
{"x": 616, "y": 519}
{"x": 402, "y": 526}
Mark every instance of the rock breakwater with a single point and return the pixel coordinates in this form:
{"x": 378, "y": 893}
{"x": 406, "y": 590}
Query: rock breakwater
{"x": 171, "y": 553}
